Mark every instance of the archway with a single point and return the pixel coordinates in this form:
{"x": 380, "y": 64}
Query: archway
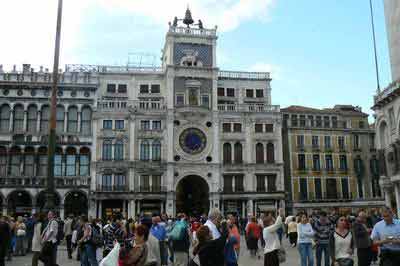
{"x": 192, "y": 196}
{"x": 41, "y": 201}
{"x": 19, "y": 202}
{"x": 76, "y": 203}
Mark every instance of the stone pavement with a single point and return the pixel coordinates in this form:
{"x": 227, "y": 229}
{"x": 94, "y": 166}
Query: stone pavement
{"x": 245, "y": 260}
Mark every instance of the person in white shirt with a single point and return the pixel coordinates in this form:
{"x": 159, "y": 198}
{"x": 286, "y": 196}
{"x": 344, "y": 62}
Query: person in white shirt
{"x": 271, "y": 238}
{"x": 214, "y": 219}
{"x": 49, "y": 237}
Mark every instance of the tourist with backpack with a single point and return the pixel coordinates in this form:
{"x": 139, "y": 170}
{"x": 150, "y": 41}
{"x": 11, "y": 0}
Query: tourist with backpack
{"x": 87, "y": 243}
{"x": 48, "y": 254}
{"x": 180, "y": 236}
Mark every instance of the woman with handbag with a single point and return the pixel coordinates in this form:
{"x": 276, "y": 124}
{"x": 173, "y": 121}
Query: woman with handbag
{"x": 341, "y": 244}
{"x": 20, "y": 230}
{"x": 271, "y": 238}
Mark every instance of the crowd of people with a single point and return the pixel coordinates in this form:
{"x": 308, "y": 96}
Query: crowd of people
{"x": 214, "y": 240}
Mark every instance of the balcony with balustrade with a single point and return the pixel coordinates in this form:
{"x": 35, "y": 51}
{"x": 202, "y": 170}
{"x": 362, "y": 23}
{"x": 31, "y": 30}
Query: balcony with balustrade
{"x": 137, "y": 106}
{"x": 69, "y": 182}
{"x": 249, "y": 108}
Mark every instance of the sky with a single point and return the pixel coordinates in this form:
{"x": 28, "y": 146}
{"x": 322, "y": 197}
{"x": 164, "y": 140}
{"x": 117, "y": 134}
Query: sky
{"x": 319, "y": 52}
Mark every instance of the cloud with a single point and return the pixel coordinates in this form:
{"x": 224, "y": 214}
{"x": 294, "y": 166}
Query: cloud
{"x": 275, "y": 70}
{"x": 226, "y": 14}
{"x": 28, "y": 27}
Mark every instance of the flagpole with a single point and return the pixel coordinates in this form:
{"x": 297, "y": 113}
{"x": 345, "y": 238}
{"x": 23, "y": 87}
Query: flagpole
{"x": 50, "y": 200}
{"x": 378, "y": 89}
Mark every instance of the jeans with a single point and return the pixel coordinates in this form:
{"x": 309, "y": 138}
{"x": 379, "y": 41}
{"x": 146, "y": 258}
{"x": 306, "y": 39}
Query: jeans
{"x": 322, "y": 248}
{"x": 69, "y": 246}
{"x": 88, "y": 256}
{"x": 306, "y": 254}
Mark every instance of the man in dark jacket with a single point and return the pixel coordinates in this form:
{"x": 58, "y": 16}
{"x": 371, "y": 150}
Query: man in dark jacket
{"x": 5, "y": 237}
{"x": 362, "y": 240}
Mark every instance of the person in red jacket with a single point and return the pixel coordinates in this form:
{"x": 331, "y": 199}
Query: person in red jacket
{"x": 253, "y": 235}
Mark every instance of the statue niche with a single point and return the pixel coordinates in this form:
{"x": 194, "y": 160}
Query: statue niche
{"x": 190, "y": 59}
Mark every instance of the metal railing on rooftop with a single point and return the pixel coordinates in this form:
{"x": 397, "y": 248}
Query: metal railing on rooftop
{"x": 224, "y": 74}
{"x": 256, "y": 107}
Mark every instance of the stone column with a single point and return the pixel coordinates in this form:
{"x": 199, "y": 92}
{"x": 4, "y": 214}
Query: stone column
{"x": 129, "y": 209}
{"x": 124, "y": 208}
{"x": 244, "y": 209}
{"x": 62, "y": 212}
{"x": 170, "y": 204}
{"x": 139, "y": 206}
{"x": 11, "y": 119}
{"x": 161, "y": 207}
{"x": 250, "y": 207}
{"x": 25, "y": 126}
{"x": 388, "y": 202}
{"x": 92, "y": 210}
{"x": 65, "y": 121}
{"x": 133, "y": 208}
{"x": 100, "y": 209}
{"x": 397, "y": 195}
{"x": 4, "y": 209}
{"x": 38, "y": 121}
{"x": 79, "y": 122}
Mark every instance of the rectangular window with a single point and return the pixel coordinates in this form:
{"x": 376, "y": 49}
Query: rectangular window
{"x": 180, "y": 99}
{"x": 226, "y": 127}
{"x": 221, "y": 91}
{"x": 326, "y": 121}
{"x": 230, "y": 92}
{"x": 318, "y": 121}
{"x": 302, "y": 120}
{"x": 106, "y": 182}
{"x": 318, "y": 188}
{"x": 345, "y": 188}
{"x": 327, "y": 140}
{"x": 301, "y": 162}
{"x": 205, "y": 101}
{"x": 237, "y": 127}
{"x": 259, "y": 93}
{"x": 107, "y": 124}
{"x": 303, "y": 189}
{"x": 155, "y": 88}
{"x": 300, "y": 141}
{"x": 122, "y": 88}
{"x": 311, "y": 120}
{"x": 258, "y": 128}
{"x": 249, "y": 93}
{"x": 315, "y": 141}
{"x": 58, "y": 165}
{"x": 260, "y": 183}
{"x": 294, "y": 121}
{"x": 156, "y": 124}
{"x": 144, "y": 88}
{"x": 156, "y": 183}
{"x": 145, "y": 125}
{"x": 341, "y": 142}
{"x": 71, "y": 165}
{"x": 372, "y": 141}
{"x": 269, "y": 128}
{"x": 228, "y": 183}
{"x": 119, "y": 124}
{"x": 239, "y": 183}
{"x": 120, "y": 182}
{"x": 316, "y": 162}
{"x": 328, "y": 162}
{"x": 342, "y": 162}
{"x": 145, "y": 183}
{"x": 356, "y": 141}
{"x": 334, "y": 122}
{"x": 111, "y": 88}
{"x": 271, "y": 183}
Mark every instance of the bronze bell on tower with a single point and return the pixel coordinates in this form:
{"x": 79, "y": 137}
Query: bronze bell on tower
{"x": 188, "y": 20}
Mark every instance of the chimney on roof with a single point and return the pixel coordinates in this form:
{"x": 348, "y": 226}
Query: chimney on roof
{"x": 41, "y": 69}
{"x": 1, "y": 69}
{"x": 26, "y": 68}
{"x": 14, "y": 68}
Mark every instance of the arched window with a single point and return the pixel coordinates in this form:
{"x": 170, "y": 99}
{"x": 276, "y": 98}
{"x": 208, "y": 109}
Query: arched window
{"x": 3, "y": 161}
{"x": 107, "y": 150}
{"x": 44, "y": 119}
{"x": 60, "y": 118}
{"x": 42, "y": 162}
{"x": 18, "y": 118}
{"x": 156, "y": 150}
{"x": 15, "y": 162}
{"x": 259, "y": 153}
{"x": 145, "y": 151}
{"x": 29, "y": 162}
{"x": 84, "y": 162}
{"x": 119, "y": 150}
{"x": 59, "y": 163}
{"x": 73, "y": 119}
{"x": 4, "y": 118}
{"x": 86, "y": 124}
{"x": 32, "y": 118}
{"x": 227, "y": 153}
{"x": 383, "y": 135}
{"x": 270, "y": 153}
{"x": 71, "y": 162}
{"x": 238, "y": 153}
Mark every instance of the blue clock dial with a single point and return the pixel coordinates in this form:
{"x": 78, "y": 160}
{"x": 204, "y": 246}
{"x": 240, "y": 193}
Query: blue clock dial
{"x": 192, "y": 140}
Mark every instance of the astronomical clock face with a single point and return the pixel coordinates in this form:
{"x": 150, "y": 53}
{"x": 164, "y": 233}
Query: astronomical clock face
{"x": 192, "y": 141}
